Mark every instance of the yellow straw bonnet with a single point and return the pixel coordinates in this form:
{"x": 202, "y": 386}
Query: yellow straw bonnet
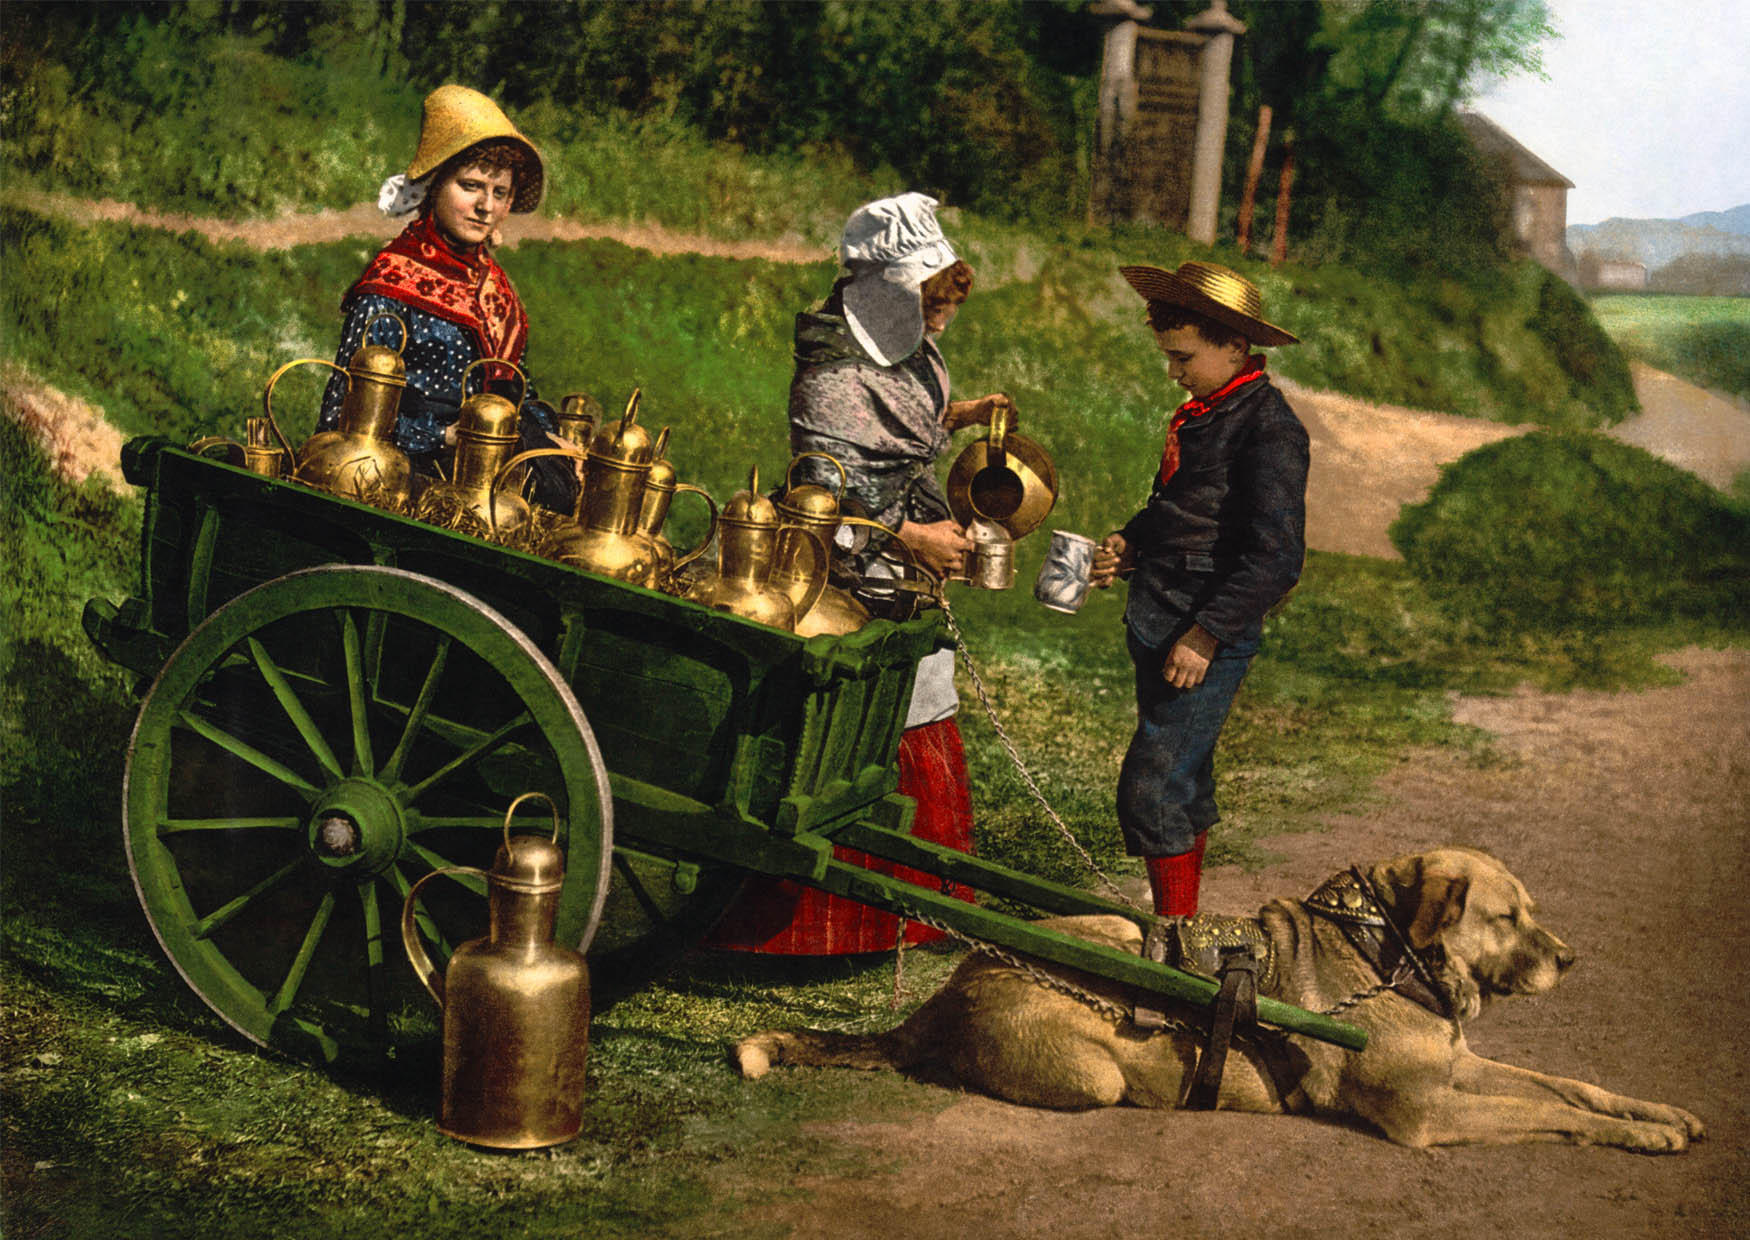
{"x": 456, "y": 118}
{"x": 1213, "y": 291}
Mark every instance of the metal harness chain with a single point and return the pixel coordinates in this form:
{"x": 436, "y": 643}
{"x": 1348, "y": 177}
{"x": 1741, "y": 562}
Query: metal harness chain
{"x": 1015, "y": 757}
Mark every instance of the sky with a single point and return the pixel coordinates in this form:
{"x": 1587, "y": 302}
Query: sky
{"x": 1646, "y": 108}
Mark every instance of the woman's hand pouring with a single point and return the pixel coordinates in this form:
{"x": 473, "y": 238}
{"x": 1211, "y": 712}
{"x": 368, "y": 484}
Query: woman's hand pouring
{"x": 979, "y": 412}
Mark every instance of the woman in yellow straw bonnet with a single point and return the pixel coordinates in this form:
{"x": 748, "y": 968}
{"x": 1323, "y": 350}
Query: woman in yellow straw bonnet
{"x": 472, "y": 168}
{"x": 1218, "y": 544}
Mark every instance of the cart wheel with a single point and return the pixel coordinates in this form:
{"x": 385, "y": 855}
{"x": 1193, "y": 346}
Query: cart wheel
{"x": 314, "y": 747}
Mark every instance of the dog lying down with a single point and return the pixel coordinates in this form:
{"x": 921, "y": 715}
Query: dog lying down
{"x": 1468, "y": 923}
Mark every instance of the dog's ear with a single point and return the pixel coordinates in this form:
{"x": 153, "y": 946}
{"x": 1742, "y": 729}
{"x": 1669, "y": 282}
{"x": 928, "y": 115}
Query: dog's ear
{"x": 1440, "y": 903}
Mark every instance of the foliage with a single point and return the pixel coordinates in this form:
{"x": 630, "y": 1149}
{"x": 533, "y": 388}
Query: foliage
{"x": 1548, "y": 531}
{"x": 987, "y": 104}
{"x": 1703, "y": 339}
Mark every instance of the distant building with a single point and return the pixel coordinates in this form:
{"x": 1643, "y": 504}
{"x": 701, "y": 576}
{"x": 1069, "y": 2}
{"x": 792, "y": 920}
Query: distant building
{"x": 1611, "y": 273}
{"x": 1539, "y": 195}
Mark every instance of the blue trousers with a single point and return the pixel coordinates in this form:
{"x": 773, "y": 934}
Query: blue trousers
{"x": 1166, "y": 787}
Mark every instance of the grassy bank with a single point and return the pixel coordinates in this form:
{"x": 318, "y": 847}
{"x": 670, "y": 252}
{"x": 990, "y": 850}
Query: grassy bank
{"x": 1705, "y": 340}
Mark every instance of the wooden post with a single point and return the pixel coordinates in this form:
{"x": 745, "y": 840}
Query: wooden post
{"x": 1284, "y": 187}
{"x": 1221, "y": 28}
{"x": 1254, "y": 169}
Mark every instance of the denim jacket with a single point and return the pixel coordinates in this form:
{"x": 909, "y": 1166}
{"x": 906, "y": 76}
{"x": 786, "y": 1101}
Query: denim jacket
{"x": 1223, "y": 540}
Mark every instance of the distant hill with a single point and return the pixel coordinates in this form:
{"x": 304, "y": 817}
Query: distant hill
{"x": 1658, "y": 243}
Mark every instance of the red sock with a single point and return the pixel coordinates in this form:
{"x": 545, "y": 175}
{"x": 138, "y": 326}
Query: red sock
{"x": 1174, "y": 880}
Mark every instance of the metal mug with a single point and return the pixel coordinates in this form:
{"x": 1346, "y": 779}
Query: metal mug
{"x": 1062, "y": 584}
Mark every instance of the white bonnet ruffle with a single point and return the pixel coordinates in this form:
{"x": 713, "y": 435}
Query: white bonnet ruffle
{"x": 891, "y": 246}
{"x": 399, "y": 196}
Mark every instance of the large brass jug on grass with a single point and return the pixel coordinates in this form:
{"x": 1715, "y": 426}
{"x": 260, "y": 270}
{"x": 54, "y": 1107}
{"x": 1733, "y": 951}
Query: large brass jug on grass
{"x": 515, "y": 1004}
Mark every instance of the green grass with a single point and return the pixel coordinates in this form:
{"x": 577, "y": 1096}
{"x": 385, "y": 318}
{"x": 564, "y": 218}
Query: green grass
{"x": 1705, "y": 340}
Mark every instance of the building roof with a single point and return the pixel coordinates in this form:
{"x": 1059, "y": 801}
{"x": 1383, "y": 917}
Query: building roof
{"x": 1496, "y": 143}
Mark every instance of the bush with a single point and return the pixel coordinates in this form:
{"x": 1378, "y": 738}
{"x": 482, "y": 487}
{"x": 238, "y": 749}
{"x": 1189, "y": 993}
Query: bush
{"x": 1552, "y": 531}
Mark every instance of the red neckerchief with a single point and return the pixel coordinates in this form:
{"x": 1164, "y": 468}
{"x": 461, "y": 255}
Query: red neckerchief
{"x": 1194, "y": 408}
{"x": 424, "y": 270}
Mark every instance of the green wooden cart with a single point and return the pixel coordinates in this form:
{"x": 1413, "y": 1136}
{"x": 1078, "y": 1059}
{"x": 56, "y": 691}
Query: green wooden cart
{"x": 338, "y": 699}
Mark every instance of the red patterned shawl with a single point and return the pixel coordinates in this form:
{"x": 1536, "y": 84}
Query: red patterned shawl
{"x": 424, "y": 270}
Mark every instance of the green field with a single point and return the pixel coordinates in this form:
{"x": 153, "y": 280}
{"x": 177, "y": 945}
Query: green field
{"x": 1705, "y": 340}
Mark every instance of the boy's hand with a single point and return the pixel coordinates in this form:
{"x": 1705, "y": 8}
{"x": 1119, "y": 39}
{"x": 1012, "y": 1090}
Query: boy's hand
{"x": 1111, "y": 557}
{"x": 940, "y": 546}
{"x": 1188, "y": 661}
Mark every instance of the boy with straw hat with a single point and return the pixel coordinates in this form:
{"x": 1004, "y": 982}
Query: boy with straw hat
{"x": 1220, "y": 542}
{"x": 472, "y": 168}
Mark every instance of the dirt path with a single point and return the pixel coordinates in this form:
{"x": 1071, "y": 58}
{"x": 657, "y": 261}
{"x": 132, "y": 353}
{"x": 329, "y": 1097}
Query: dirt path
{"x": 1625, "y": 815}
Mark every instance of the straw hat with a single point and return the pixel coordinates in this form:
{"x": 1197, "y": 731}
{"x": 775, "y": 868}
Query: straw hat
{"x": 456, "y": 118}
{"x": 1214, "y": 292}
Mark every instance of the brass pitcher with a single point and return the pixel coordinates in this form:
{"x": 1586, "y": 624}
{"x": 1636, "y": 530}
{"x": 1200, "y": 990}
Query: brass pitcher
{"x": 359, "y": 460}
{"x": 486, "y": 437}
{"x": 515, "y": 1004}
{"x": 815, "y": 509}
{"x": 1005, "y": 478}
{"x": 578, "y": 414}
{"x": 661, "y": 485}
{"x": 752, "y": 544}
{"x": 605, "y": 537}
{"x": 258, "y": 454}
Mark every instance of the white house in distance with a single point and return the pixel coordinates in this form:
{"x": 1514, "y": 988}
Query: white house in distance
{"x": 1539, "y": 195}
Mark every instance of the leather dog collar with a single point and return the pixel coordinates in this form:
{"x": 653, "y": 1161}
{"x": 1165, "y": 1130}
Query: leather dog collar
{"x": 1349, "y": 899}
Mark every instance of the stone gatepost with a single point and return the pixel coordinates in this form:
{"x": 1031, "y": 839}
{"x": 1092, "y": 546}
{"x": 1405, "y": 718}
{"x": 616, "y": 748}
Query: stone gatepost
{"x": 1221, "y": 28}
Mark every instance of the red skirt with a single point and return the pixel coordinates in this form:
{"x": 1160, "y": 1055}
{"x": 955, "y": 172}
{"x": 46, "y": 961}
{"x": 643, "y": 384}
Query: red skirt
{"x": 784, "y": 918}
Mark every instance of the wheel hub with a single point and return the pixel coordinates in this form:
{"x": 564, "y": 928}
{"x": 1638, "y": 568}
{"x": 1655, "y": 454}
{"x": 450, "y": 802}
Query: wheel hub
{"x": 357, "y": 827}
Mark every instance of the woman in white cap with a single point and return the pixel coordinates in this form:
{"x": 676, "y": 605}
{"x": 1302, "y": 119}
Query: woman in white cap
{"x": 871, "y": 390}
{"x": 1218, "y": 544}
{"x": 472, "y": 169}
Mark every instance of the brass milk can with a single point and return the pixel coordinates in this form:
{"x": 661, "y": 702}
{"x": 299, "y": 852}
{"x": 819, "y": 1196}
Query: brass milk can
{"x": 605, "y": 538}
{"x": 260, "y": 454}
{"x": 578, "y": 414}
{"x": 486, "y": 438}
{"x": 661, "y": 485}
{"x": 359, "y": 460}
{"x": 515, "y": 1004}
{"x": 748, "y": 543}
{"x": 816, "y": 510}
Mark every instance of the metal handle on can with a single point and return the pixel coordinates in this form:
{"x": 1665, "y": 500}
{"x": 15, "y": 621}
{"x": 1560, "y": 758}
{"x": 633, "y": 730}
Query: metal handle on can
{"x": 416, "y": 953}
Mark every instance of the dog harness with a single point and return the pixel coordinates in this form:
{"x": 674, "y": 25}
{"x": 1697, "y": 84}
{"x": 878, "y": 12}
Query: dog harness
{"x": 1349, "y": 899}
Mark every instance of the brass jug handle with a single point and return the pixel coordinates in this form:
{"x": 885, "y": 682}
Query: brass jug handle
{"x": 365, "y": 336}
{"x": 511, "y": 813}
{"x": 789, "y": 474}
{"x": 998, "y": 439}
{"x": 932, "y": 583}
{"x": 416, "y": 953}
{"x": 822, "y": 563}
{"x": 206, "y": 443}
{"x": 497, "y": 361}
{"x": 267, "y": 396}
{"x": 504, "y": 469}
{"x": 710, "y": 530}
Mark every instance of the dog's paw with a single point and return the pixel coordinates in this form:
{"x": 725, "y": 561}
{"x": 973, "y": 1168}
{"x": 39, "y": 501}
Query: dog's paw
{"x": 1692, "y": 1126}
{"x": 1651, "y": 1138}
{"x": 751, "y": 1059}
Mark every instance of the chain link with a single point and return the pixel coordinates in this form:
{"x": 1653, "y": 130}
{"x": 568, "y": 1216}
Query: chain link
{"x": 1020, "y": 766}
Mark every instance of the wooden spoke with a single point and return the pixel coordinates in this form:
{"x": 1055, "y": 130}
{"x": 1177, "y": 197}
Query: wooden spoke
{"x": 362, "y": 760}
{"x": 294, "y": 978}
{"x": 421, "y": 706}
{"x": 474, "y": 753}
{"x": 219, "y": 916}
{"x": 176, "y": 826}
{"x": 294, "y": 708}
{"x": 242, "y": 749}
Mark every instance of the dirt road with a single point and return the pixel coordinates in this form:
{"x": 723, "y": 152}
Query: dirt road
{"x": 1625, "y": 815}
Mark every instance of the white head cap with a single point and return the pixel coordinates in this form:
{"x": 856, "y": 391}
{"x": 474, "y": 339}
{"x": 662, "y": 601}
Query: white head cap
{"x": 891, "y": 246}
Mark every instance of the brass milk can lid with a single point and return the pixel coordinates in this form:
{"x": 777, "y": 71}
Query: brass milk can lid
{"x": 749, "y": 507}
{"x": 662, "y": 476}
{"x": 624, "y": 442}
{"x": 487, "y": 415}
{"x": 378, "y": 363}
{"x": 810, "y": 505}
{"x": 530, "y": 864}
